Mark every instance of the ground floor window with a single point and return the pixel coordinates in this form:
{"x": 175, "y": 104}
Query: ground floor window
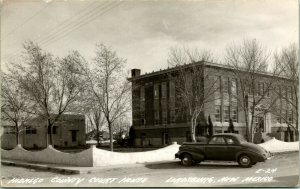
{"x": 218, "y": 113}
{"x": 30, "y": 130}
{"x": 156, "y": 117}
{"x": 74, "y": 135}
{"x": 259, "y": 124}
{"x": 164, "y": 117}
{"x": 10, "y": 130}
{"x": 234, "y": 116}
{"x": 226, "y": 113}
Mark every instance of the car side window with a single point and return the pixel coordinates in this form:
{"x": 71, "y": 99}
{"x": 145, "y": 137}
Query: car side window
{"x": 217, "y": 140}
{"x": 230, "y": 141}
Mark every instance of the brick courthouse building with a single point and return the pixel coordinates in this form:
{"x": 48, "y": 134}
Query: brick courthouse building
{"x": 157, "y": 120}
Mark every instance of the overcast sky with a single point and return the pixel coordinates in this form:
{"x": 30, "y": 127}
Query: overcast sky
{"x": 143, "y": 31}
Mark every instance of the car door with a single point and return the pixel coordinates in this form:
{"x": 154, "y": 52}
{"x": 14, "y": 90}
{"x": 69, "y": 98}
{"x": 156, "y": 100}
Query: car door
{"x": 233, "y": 147}
{"x": 216, "y": 148}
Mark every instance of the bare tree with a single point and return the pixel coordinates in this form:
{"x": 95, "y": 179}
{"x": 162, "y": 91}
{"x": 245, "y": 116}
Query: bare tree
{"x": 249, "y": 62}
{"x": 190, "y": 86}
{"x": 288, "y": 62}
{"x": 14, "y": 104}
{"x": 108, "y": 84}
{"x": 53, "y": 84}
{"x": 92, "y": 109}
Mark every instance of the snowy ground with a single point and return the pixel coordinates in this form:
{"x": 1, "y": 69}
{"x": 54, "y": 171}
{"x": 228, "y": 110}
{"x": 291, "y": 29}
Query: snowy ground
{"x": 276, "y": 146}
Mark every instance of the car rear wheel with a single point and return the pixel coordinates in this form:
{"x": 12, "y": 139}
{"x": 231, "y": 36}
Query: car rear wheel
{"x": 245, "y": 161}
{"x": 186, "y": 160}
{"x": 196, "y": 161}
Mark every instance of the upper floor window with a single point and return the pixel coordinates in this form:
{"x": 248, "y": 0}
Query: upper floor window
{"x": 234, "y": 87}
{"x": 142, "y": 93}
{"x": 260, "y": 89}
{"x": 156, "y": 91}
{"x": 164, "y": 90}
{"x": 225, "y": 85}
{"x": 171, "y": 89}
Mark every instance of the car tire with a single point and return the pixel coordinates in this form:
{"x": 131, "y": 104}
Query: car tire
{"x": 196, "y": 161}
{"x": 186, "y": 160}
{"x": 245, "y": 161}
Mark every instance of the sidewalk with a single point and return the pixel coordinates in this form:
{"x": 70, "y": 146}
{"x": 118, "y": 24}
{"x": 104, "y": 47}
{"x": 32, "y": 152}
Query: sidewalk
{"x": 67, "y": 169}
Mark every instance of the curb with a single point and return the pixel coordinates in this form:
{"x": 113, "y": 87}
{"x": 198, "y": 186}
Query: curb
{"x": 60, "y": 170}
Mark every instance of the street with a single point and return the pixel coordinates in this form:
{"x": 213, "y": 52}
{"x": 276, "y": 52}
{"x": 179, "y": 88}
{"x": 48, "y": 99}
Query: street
{"x": 281, "y": 171}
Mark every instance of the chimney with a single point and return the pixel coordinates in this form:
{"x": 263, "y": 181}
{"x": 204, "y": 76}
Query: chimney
{"x": 135, "y": 72}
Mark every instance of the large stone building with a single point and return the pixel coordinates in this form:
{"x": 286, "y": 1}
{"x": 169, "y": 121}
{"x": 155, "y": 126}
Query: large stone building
{"x": 68, "y": 131}
{"x": 157, "y": 119}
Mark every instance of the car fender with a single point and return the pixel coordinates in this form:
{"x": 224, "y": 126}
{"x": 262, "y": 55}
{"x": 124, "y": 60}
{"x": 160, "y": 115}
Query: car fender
{"x": 195, "y": 155}
{"x": 255, "y": 157}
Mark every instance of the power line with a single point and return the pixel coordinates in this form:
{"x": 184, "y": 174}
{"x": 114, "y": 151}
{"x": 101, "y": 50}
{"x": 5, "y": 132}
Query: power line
{"x": 63, "y": 25}
{"x": 82, "y": 24}
{"x": 26, "y": 21}
{"x": 55, "y": 27}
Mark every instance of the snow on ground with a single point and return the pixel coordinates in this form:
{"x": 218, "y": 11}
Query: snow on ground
{"x": 105, "y": 158}
{"x": 276, "y": 146}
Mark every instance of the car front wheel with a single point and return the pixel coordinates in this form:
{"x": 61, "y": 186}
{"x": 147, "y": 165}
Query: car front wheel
{"x": 245, "y": 161}
{"x": 186, "y": 160}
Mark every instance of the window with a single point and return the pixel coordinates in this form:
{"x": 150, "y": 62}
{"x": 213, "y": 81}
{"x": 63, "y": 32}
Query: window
{"x": 225, "y": 85}
{"x": 156, "y": 91}
{"x": 54, "y": 129}
{"x": 9, "y": 130}
{"x": 164, "y": 117}
{"x": 142, "y": 94}
{"x": 234, "y": 87}
{"x": 30, "y": 130}
{"x": 278, "y": 119}
{"x": 226, "y": 113}
{"x": 259, "y": 123}
{"x": 217, "y": 88}
{"x": 260, "y": 89}
{"x": 172, "y": 116}
{"x": 267, "y": 89}
{"x": 164, "y": 90}
{"x": 217, "y": 140}
{"x": 290, "y": 117}
{"x": 74, "y": 135}
{"x": 171, "y": 89}
{"x": 143, "y": 121}
{"x": 218, "y": 113}
{"x": 230, "y": 141}
{"x": 234, "y": 114}
{"x": 156, "y": 117}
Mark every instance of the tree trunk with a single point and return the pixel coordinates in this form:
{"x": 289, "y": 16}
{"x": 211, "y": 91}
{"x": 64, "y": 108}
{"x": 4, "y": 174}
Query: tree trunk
{"x": 193, "y": 138}
{"x": 97, "y": 134}
{"x": 17, "y": 134}
{"x": 110, "y": 137}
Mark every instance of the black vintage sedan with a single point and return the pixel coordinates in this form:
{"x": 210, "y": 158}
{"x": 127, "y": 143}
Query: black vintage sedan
{"x": 224, "y": 147}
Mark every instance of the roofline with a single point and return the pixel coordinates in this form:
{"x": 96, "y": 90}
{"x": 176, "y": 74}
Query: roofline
{"x": 168, "y": 70}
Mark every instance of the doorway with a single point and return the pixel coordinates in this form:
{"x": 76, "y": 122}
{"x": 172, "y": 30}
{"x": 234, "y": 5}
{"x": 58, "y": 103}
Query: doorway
{"x": 165, "y": 138}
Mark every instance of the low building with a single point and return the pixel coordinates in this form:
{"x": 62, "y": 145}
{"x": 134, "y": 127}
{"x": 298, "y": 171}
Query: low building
{"x": 157, "y": 119}
{"x": 68, "y": 131}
